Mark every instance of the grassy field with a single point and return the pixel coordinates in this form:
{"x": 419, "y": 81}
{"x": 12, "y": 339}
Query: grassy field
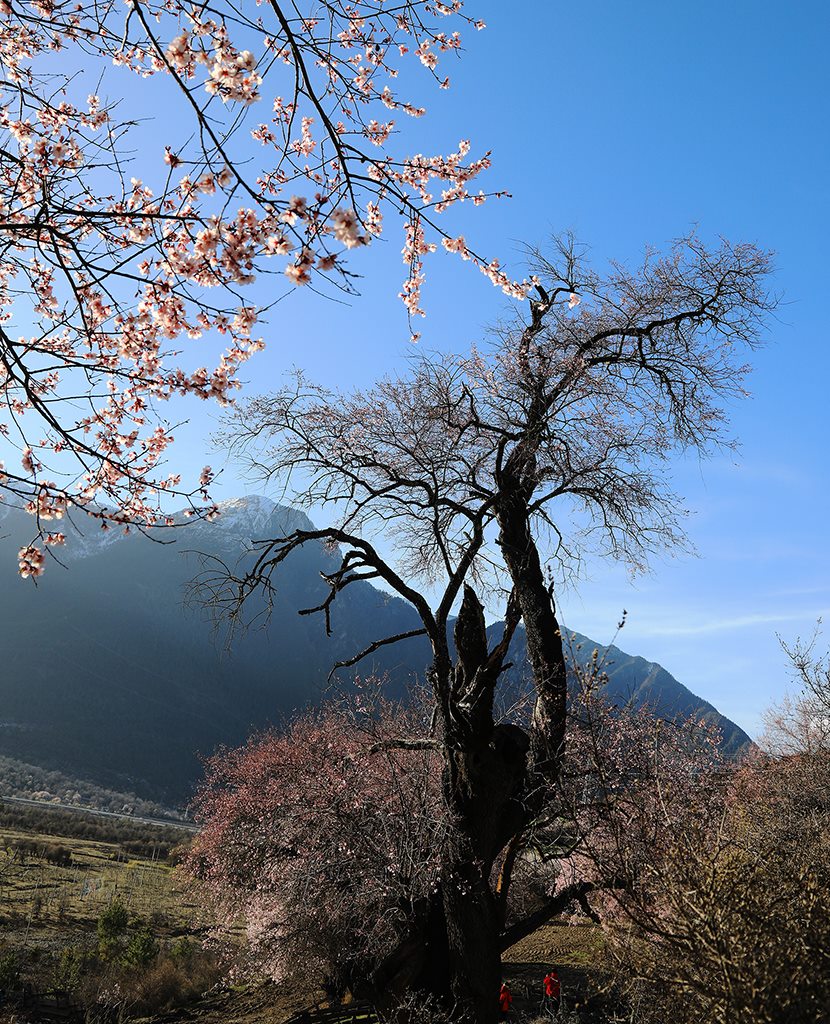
{"x": 42, "y": 899}
{"x": 54, "y": 888}
{"x": 104, "y": 922}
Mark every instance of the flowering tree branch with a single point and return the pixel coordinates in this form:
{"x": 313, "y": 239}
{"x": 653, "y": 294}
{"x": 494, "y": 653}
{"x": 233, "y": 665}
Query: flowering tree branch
{"x": 285, "y": 158}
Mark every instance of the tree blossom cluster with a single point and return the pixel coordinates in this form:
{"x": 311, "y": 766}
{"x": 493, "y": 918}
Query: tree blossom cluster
{"x": 281, "y": 159}
{"x": 322, "y": 838}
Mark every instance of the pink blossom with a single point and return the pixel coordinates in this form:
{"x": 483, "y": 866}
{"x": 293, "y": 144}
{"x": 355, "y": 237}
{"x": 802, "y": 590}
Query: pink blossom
{"x": 156, "y": 261}
{"x": 347, "y": 228}
{"x": 30, "y": 562}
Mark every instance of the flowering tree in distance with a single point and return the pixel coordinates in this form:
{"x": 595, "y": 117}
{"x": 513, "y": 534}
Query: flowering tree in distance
{"x": 320, "y": 844}
{"x": 477, "y": 467}
{"x": 271, "y": 148}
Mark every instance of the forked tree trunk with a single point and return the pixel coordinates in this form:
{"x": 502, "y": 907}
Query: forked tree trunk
{"x": 456, "y": 955}
{"x": 496, "y": 779}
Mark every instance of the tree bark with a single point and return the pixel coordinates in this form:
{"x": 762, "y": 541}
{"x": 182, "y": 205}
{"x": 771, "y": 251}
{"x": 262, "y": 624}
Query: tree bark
{"x": 473, "y": 940}
{"x": 544, "y": 639}
{"x": 485, "y": 768}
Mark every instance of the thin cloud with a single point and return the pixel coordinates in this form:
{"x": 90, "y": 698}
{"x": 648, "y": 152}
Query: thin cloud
{"x": 797, "y": 591}
{"x": 722, "y": 625}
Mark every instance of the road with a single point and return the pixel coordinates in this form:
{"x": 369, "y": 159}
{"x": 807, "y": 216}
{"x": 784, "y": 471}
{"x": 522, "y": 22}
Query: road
{"x": 185, "y": 826}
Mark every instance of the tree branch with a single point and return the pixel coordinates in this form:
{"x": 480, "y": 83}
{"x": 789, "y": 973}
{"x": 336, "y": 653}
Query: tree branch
{"x": 374, "y": 647}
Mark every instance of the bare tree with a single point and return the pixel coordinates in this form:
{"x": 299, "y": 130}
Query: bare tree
{"x": 557, "y": 435}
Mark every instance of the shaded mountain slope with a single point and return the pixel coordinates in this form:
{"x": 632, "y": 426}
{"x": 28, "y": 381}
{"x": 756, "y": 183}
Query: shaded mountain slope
{"x": 106, "y": 675}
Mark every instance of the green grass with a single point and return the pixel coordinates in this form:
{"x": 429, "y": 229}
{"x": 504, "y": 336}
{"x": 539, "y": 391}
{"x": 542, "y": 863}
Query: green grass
{"x": 42, "y": 899}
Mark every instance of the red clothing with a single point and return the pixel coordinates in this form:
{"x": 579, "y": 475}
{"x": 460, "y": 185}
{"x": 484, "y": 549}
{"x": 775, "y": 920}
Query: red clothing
{"x": 505, "y": 999}
{"x": 551, "y": 985}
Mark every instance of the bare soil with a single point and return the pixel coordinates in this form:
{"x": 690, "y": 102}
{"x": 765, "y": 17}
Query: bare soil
{"x": 574, "y": 949}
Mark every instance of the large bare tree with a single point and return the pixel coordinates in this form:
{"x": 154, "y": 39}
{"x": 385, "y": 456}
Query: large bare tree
{"x": 490, "y": 473}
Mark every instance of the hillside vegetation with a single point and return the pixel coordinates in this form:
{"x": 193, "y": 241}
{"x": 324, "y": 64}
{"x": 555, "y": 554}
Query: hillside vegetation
{"x": 92, "y": 908}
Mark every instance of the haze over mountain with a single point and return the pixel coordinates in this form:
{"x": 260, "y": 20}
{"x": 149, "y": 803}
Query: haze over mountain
{"x": 107, "y": 675}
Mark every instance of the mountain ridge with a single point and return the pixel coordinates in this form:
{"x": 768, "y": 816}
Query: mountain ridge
{"x": 106, "y": 676}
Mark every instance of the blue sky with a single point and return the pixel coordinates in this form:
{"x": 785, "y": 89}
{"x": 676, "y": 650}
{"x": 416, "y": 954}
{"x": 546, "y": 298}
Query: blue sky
{"x": 630, "y": 124}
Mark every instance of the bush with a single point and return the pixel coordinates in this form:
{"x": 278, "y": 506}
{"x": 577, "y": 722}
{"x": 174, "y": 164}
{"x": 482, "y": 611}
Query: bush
{"x": 155, "y": 987}
{"x": 182, "y": 948}
{"x": 73, "y": 964}
{"x": 112, "y": 924}
{"x": 142, "y": 949}
{"x": 144, "y": 981}
{"x": 168, "y": 983}
{"x": 60, "y": 856}
{"x": 9, "y": 970}
{"x": 738, "y": 928}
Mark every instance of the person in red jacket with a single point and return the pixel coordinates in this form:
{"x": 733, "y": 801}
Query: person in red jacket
{"x": 552, "y": 991}
{"x": 505, "y": 1000}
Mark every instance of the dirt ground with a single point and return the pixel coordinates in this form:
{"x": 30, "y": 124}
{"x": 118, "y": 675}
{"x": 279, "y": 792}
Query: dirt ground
{"x": 572, "y": 948}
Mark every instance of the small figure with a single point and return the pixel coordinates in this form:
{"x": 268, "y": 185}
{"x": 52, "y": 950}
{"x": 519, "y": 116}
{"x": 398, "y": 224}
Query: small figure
{"x": 552, "y": 990}
{"x": 505, "y": 1000}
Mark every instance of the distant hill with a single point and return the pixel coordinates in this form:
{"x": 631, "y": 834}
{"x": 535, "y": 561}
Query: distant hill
{"x": 27, "y": 782}
{"x": 106, "y": 675}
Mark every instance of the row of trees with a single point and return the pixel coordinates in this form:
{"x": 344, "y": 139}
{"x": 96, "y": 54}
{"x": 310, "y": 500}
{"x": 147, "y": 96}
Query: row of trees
{"x": 488, "y": 474}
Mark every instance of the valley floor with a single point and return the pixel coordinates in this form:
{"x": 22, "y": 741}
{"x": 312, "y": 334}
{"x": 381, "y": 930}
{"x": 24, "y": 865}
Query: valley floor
{"x": 54, "y": 890}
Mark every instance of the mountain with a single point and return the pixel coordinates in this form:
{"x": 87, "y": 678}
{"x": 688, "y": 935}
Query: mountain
{"x": 108, "y": 675}
{"x": 634, "y": 681}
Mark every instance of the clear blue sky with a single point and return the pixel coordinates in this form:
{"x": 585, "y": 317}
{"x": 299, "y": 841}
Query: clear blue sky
{"x": 630, "y": 123}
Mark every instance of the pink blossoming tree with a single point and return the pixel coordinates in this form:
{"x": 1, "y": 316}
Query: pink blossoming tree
{"x": 276, "y": 144}
{"x": 323, "y": 838}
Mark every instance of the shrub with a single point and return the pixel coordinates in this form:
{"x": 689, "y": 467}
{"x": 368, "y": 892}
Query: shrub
{"x": 736, "y": 925}
{"x": 144, "y": 981}
{"x": 60, "y": 856}
{"x": 9, "y": 970}
{"x": 112, "y": 924}
{"x": 142, "y": 949}
{"x": 182, "y": 948}
{"x": 73, "y": 964}
{"x": 162, "y": 985}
